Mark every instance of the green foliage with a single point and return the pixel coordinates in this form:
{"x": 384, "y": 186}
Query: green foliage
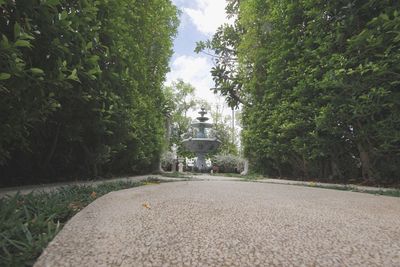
{"x": 80, "y": 86}
{"x": 320, "y": 84}
{"x": 382, "y": 192}
{"x": 228, "y": 163}
{"x": 29, "y": 222}
{"x": 184, "y": 176}
{"x": 179, "y": 99}
{"x": 222, "y": 130}
{"x": 167, "y": 160}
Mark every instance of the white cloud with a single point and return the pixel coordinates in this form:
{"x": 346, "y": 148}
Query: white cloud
{"x": 196, "y": 71}
{"x": 208, "y": 15}
{"x": 177, "y": 2}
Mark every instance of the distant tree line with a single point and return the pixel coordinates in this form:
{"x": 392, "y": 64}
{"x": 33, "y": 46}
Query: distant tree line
{"x": 80, "y": 87}
{"x": 320, "y": 86}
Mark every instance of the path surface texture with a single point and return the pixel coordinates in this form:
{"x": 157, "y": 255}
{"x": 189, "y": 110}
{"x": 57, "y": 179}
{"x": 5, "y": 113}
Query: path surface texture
{"x": 228, "y": 223}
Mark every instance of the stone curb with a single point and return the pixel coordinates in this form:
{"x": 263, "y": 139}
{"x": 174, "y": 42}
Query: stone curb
{"x": 52, "y": 187}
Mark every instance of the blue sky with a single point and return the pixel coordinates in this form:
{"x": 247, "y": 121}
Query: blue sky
{"x": 188, "y": 33}
{"x": 199, "y": 20}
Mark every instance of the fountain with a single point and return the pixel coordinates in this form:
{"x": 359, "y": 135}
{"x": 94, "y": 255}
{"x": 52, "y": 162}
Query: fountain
{"x": 200, "y": 143}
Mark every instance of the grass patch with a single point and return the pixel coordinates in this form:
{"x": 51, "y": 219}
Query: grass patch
{"x": 229, "y": 174}
{"x": 29, "y": 222}
{"x": 383, "y": 192}
{"x": 177, "y": 175}
{"x": 391, "y": 192}
{"x": 251, "y": 176}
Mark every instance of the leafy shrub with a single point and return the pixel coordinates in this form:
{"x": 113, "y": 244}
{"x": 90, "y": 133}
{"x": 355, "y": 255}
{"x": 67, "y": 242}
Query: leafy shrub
{"x": 167, "y": 159}
{"x": 228, "y": 163}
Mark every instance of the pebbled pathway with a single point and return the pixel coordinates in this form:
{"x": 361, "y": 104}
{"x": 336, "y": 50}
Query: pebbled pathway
{"x": 230, "y": 223}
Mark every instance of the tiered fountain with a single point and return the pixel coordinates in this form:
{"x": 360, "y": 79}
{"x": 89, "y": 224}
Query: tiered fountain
{"x": 200, "y": 143}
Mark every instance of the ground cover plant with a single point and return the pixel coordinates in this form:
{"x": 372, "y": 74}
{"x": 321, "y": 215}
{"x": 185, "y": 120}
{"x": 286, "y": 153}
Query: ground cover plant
{"x": 250, "y": 176}
{"x": 382, "y": 192}
{"x": 253, "y": 177}
{"x": 179, "y": 175}
{"x": 29, "y": 222}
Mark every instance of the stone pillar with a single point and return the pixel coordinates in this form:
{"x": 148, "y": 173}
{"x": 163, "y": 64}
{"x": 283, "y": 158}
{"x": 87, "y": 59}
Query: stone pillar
{"x": 180, "y": 165}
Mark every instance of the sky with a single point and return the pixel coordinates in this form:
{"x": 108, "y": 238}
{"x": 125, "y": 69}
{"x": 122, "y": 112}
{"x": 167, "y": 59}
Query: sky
{"x": 199, "y": 20}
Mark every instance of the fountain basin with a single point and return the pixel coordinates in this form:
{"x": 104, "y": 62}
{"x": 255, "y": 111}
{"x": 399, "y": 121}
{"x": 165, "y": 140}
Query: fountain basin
{"x": 202, "y": 124}
{"x": 201, "y": 145}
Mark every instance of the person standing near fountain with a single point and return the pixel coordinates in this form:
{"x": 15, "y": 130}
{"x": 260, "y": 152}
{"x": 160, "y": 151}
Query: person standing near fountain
{"x": 201, "y": 143}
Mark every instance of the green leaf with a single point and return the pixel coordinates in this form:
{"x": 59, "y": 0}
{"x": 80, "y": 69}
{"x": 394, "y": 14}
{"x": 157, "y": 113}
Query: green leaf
{"x": 53, "y": 2}
{"x": 22, "y": 43}
{"x": 26, "y": 36}
{"x": 94, "y": 59}
{"x": 73, "y": 76}
{"x": 397, "y": 38}
{"x": 89, "y": 45}
{"x": 94, "y": 71}
{"x": 63, "y": 15}
{"x": 37, "y": 71}
{"x": 4, "y": 42}
{"x": 4, "y": 76}
{"x": 17, "y": 30}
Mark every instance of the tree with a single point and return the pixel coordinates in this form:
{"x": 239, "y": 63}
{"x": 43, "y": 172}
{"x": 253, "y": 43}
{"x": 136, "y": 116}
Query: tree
{"x": 223, "y": 131}
{"x": 179, "y": 99}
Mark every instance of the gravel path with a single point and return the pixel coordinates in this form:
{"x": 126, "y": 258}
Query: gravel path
{"x": 227, "y": 223}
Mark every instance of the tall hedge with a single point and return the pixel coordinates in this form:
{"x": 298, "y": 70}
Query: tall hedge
{"x": 319, "y": 83}
{"x": 80, "y": 86}
{"x": 325, "y": 85}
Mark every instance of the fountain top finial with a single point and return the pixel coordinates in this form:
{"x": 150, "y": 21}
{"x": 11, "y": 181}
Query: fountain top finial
{"x": 203, "y": 111}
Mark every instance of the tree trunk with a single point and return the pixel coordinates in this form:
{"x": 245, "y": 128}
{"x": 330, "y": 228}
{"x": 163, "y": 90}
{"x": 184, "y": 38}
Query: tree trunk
{"x": 366, "y": 168}
{"x": 52, "y": 149}
{"x": 246, "y": 168}
{"x": 91, "y": 162}
{"x": 336, "y": 173}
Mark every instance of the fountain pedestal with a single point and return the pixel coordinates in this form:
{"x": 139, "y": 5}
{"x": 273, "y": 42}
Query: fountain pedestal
{"x": 201, "y": 161}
